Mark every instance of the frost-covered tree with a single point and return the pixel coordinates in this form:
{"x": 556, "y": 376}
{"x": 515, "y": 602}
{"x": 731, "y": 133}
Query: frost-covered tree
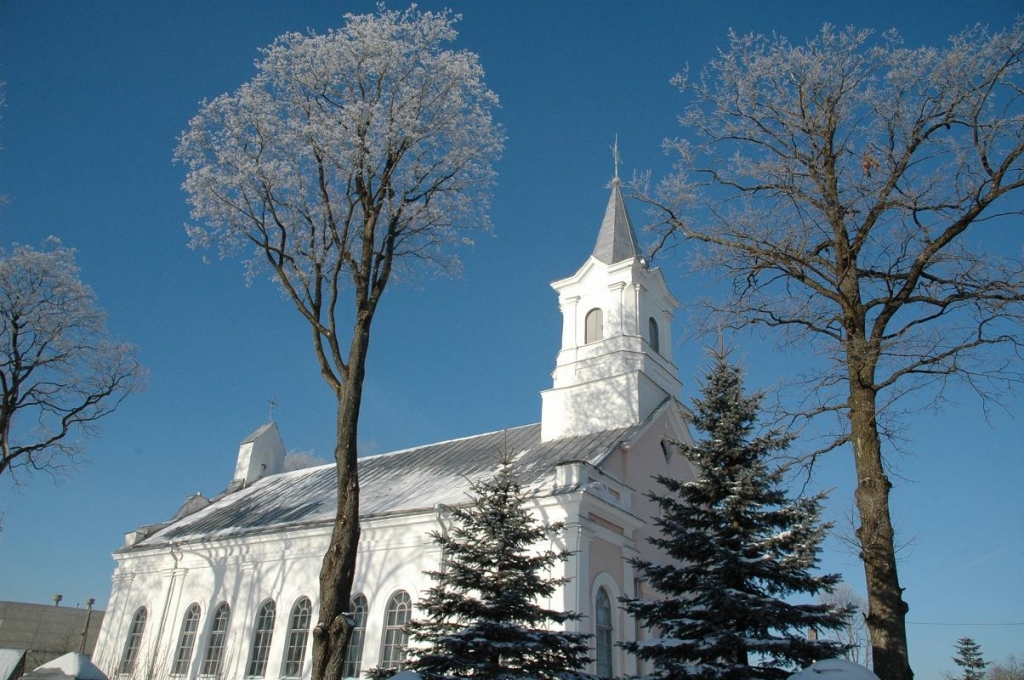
{"x": 1012, "y": 668}
{"x": 739, "y": 552}
{"x": 850, "y": 189}
{"x": 483, "y": 617}
{"x": 969, "y": 659}
{"x": 60, "y": 370}
{"x": 350, "y": 156}
{"x": 853, "y": 634}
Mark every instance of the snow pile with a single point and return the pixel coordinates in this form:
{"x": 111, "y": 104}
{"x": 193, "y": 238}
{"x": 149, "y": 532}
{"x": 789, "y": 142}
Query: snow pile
{"x": 72, "y": 665}
{"x": 834, "y": 669}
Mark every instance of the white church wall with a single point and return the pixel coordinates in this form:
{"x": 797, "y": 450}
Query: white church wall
{"x": 245, "y": 572}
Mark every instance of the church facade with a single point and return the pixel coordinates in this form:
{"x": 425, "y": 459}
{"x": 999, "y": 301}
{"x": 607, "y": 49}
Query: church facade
{"x": 227, "y": 588}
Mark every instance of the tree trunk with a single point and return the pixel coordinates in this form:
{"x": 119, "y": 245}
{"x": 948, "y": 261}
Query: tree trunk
{"x": 334, "y": 627}
{"x": 886, "y": 620}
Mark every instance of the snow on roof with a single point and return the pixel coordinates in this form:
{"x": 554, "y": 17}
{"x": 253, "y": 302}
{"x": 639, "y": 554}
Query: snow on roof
{"x": 71, "y": 665}
{"x": 834, "y": 669}
{"x": 411, "y": 480}
{"x": 10, "y": 660}
{"x": 260, "y": 430}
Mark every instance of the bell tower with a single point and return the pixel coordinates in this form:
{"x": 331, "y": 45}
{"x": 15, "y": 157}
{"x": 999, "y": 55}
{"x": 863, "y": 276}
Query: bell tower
{"x": 615, "y": 364}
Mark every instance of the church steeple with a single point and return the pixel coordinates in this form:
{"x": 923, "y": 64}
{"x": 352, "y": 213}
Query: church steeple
{"x": 615, "y": 365}
{"x": 616, "y": 241}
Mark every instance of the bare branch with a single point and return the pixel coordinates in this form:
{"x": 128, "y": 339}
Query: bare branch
{"x": 60, "y": 372}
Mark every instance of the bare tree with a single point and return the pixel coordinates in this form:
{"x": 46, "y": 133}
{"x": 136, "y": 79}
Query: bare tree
{"x": 3, "y": 103}
{"x": 300, "y": 460}
{"x": 1011, "y": 668}
{"x": 347, "y": 156}
{"x": 854, "y": 635}
{"x": 60, "y": 371}
{"x": 841, "y": 186}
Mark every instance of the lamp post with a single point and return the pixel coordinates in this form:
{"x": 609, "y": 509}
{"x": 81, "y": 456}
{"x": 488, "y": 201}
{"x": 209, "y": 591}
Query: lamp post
{"x": 88, "y": 615}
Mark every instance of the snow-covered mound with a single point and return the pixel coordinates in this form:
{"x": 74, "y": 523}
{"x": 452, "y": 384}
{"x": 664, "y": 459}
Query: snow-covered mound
{"x": 70, "y": 666}
{"x": 834, "y": 669}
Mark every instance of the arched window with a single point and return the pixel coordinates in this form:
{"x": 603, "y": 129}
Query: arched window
{"x": 652, "y": 335}
{"x": 392, "y": 652}
{"x": 603, "y": 633}
{"x": 186, "y": 641}
{"x": 214, "y": 657}
{"x": 354, "y": 654}
{"x": 594, "y": 326}
{"x": 298, "y": 636}
{"x": 133, "y": 643}
{"x": 263, "y": 631}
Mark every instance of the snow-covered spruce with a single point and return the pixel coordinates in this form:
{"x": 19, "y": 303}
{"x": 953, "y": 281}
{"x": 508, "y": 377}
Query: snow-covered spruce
{"x": 482, "y": 617}
{"x": 739, "y": 548}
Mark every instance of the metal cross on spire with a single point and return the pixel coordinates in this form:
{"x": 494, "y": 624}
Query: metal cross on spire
{"x": 616, "y": 157}
{"x": 272, "y": 403}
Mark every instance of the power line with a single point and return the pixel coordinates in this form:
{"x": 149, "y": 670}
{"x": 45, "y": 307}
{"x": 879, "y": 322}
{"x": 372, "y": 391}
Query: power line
{"x": 936, "y": 623}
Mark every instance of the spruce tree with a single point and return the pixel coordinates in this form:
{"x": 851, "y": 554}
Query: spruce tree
{"x": 969, "y": 658}
{"x": 482, "y": 618}
{"x": 738, "y": 550}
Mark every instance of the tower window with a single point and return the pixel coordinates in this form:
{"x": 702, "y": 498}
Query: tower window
{"x": 652, "y": 335}
{"x": 594, "y": 326}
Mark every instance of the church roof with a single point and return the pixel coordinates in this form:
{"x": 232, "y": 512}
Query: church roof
{"x": 412, "y": 480}
{"x": 616, "y": 241}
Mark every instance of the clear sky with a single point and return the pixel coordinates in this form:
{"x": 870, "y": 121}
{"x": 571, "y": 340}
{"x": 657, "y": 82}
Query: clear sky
{"x": 97, "y": 93}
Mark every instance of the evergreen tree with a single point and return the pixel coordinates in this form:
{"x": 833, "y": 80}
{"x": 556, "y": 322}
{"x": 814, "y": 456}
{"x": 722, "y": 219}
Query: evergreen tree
{"x": 969, "y": 658}
{"x": 482, "y": 617}
{"x": 739, "y": 548}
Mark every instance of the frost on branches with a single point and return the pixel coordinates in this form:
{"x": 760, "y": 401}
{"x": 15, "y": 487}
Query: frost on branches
{"x": 482, "y": 617}
{"x": 849, "y": 189}
{"x": 740, "y": 550}
{"x": 60, "y": 370}
{"x": 350, "y": 158}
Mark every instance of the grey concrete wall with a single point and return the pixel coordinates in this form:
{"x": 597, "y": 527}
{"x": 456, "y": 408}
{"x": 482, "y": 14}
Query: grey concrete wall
{"x": 46, "y": 631}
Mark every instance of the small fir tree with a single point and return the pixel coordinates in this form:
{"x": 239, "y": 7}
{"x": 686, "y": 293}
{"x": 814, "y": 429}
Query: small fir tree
{"x": 483, "y": 619}
{"x": 739, "y": 549}
{"x": 969, "y": 658}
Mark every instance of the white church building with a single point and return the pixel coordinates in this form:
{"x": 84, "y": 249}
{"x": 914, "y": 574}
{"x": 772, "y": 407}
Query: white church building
{"x": 228, "y": 587}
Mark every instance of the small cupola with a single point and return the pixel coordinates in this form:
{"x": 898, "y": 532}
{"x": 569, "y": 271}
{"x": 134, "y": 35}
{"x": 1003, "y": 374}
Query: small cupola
{"x": 260, "y": 454}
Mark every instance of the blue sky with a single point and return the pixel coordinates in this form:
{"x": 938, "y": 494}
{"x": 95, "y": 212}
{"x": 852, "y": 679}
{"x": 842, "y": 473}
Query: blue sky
{"x": 97, "y": 94}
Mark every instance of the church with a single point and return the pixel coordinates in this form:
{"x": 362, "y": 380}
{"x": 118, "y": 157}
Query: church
{"x": 227, "y": 588}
